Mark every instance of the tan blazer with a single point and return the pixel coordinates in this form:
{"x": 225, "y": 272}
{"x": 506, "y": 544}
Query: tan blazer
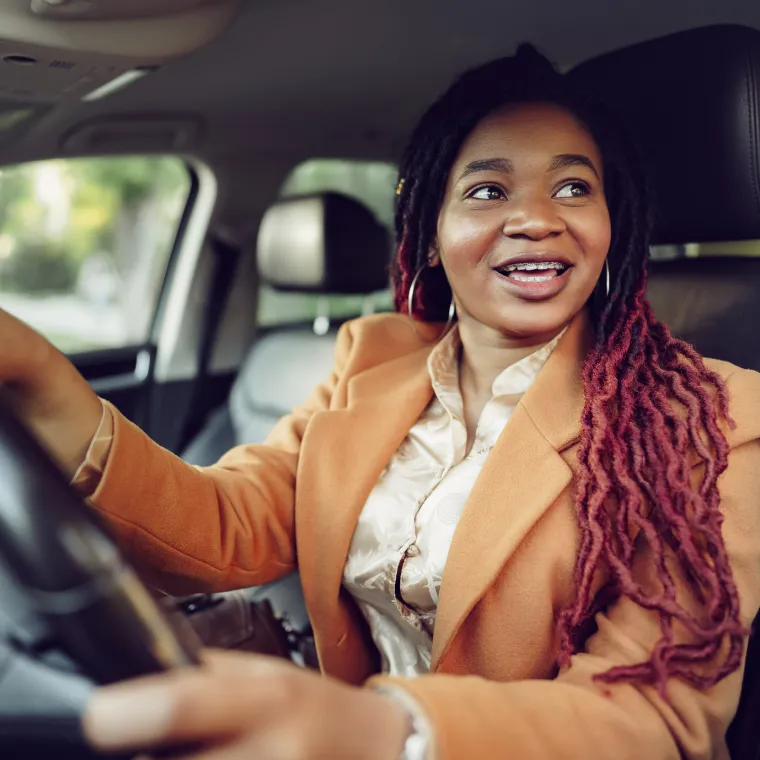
{"x": 493, "y": 691}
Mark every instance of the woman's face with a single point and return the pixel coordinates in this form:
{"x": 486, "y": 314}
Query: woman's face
{"x": 524, "y": 193}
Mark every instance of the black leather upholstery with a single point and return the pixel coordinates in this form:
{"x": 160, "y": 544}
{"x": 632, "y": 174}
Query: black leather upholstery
{"x": 712, "y": 303}
{"x": 693, "y": 101}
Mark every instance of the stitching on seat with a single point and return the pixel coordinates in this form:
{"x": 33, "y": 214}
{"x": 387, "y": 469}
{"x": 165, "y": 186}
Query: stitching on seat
{"x": 753, "y": 128}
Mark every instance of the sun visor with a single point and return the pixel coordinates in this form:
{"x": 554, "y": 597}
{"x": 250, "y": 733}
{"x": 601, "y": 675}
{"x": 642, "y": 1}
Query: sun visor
{"x": 51, "y": 58}
{"x": 134, "y": 135}
{"x": 113, "y": 9}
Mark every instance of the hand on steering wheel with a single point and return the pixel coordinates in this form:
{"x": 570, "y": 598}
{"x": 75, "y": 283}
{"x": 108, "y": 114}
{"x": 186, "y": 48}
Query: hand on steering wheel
{"x": 58, "y": 553}
{"x": 237, "y": 706}
{"x": 242, "y": 706}
{"x": 79, "y": 598}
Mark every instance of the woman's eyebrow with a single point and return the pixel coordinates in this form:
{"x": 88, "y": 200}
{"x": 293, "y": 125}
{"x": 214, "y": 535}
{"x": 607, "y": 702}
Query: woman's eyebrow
{"x": 572, "y": 159}
{"x": 505, "y": 166}
{"x": 488, "y": 165}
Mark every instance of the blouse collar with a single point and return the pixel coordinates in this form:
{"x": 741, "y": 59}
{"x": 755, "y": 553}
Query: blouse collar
{"x": 443, "y": 367}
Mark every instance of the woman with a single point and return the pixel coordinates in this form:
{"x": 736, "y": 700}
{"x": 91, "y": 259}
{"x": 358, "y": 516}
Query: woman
{"x": 605, "y": 566}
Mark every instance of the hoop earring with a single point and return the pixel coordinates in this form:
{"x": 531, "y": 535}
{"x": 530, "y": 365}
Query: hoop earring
{"x": 607, "y": 268}
{"x": 410, "y": 307}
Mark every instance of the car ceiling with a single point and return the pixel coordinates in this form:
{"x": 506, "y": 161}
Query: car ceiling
{"x": 293, "y": 79}
{"x": 301, "y": 78}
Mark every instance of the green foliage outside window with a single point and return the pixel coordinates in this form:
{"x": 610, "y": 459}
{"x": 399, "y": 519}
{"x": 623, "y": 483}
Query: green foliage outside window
{"x": 84, "y": 244}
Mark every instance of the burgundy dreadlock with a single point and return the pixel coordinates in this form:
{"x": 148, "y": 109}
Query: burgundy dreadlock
{"x": 649, "y": 398}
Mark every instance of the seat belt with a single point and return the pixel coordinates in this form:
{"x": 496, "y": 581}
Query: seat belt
{"x": 226, "y": 258}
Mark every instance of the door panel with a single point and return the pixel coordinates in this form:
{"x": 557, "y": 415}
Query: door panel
{"x": 122, "y": 376}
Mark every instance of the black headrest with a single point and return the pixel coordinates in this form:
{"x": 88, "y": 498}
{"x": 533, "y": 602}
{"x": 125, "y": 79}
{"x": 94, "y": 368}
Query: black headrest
{"x": 693, "y": 101}
{"x": 325, "y": 243}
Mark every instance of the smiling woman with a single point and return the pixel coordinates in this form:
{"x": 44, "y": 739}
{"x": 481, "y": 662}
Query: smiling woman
{"x": 503, "y": 218}
{"x": 530, "y": 173}
{"x": 539, "y": 514}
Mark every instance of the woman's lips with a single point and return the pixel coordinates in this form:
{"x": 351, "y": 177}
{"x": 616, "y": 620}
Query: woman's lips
{"x": 538, "y": 285}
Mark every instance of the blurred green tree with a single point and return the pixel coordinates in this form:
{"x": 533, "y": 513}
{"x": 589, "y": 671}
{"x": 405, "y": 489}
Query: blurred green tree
{"x": 55, "y": 214}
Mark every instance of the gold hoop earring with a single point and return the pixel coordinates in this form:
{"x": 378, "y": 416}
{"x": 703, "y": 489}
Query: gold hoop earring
{"x": 410, "y": 309}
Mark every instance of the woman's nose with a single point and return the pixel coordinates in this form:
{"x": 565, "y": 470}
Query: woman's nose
{"x": 533, "y": 219}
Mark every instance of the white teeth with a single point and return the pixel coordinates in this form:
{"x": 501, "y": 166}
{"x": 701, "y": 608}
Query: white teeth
{"x": 534, "y": 278}
{"x": 533, "y": 265}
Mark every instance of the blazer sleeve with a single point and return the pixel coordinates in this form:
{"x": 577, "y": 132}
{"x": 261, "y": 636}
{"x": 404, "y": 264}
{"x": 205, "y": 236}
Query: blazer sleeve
{"x": 190, "y": 529}
{"x": 571, "y": 716}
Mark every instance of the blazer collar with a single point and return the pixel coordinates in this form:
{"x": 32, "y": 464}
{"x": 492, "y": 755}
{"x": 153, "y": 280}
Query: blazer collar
{"x": 350, "y": 449}
{"x": 523, "y": 475}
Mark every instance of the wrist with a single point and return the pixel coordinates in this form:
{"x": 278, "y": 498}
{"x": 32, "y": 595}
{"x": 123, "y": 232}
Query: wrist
{"x": 418, "y": 731}
{"x": 73, "y": 417}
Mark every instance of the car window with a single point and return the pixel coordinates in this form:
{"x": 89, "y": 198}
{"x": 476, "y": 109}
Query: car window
{"x": 373, "y": 183}
{"x": 694, "y": 250}
{"x": 85, "y": 244}
{"x": 733, "y": 248}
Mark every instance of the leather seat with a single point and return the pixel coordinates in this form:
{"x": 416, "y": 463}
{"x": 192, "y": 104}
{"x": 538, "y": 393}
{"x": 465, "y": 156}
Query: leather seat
{"x": 693, "y": 101}
{"x": 711, "y": 302}
{"x": 324, "y": 245}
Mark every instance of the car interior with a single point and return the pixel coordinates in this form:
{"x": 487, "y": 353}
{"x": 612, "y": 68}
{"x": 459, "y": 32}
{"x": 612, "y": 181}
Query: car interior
{"x": 253, "y": 146}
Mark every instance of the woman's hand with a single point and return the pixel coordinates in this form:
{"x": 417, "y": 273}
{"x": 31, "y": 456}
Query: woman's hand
{"x": 47, "y": 392}
{"x": 242, "y": 706}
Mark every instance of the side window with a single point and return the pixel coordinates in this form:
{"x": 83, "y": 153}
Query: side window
{"x": 734, "y": 248}
{"x": 694, "y": 250}
{"x": 371, "y": 183}
{"x": 85, "y": 244}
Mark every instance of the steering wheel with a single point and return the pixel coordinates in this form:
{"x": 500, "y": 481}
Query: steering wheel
{"x": 73, "y": 614}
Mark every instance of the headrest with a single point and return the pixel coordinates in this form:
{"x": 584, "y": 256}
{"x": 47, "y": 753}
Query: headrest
{"x": 693, "y": 101}
{"x": 324, "y": 243}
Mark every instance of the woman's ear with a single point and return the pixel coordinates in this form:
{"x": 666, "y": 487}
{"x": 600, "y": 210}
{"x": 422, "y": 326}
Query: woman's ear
{"x": 434, "y": 256}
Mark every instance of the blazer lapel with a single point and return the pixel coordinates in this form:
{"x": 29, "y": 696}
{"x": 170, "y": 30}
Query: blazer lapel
{"x": 522, "y": 477}
{"x": 349, "y": 448}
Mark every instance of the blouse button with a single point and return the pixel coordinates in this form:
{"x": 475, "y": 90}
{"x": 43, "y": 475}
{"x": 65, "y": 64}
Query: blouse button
{"x": 413, "y": 551}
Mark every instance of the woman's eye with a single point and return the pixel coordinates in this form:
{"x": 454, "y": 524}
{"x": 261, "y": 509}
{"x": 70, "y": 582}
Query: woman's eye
{"x": 573, "y": 190}
{"x": 488, "y": 193}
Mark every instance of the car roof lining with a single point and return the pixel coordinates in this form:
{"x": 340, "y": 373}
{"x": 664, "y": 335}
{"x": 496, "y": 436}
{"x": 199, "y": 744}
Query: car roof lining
{"x": 291, "y": 80}
{"x": 303, "y": 79}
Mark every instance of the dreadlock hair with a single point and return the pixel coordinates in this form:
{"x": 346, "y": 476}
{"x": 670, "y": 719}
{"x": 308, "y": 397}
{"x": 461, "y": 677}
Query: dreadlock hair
{"x": 650, "y": 401}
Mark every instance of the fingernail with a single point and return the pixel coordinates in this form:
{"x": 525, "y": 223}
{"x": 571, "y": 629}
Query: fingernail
{"x": 128, "y": 718}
